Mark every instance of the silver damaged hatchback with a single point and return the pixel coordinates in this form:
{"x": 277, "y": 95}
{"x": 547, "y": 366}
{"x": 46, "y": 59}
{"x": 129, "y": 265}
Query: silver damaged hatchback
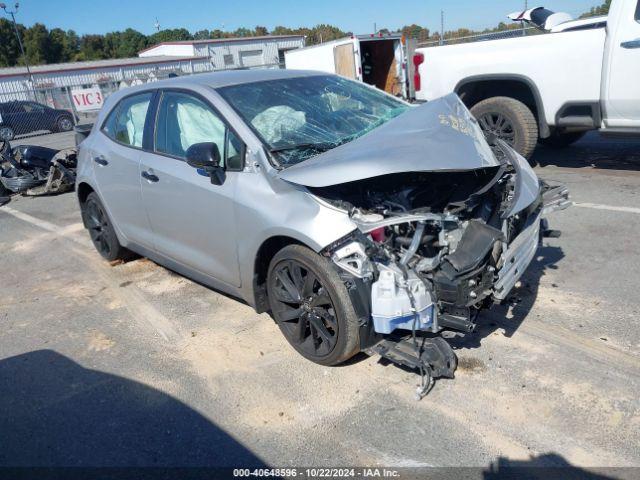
{"x": 360, "y": 222}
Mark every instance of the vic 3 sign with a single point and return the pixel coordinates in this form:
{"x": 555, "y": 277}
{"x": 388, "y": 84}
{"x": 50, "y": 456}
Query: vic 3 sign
{"x": 85, "y": 99}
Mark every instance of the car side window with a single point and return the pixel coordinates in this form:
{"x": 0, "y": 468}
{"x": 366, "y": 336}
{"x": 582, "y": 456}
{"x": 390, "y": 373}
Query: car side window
{"x": 637, "y": 15}
{"x": 33, "y": 108}
{"x": 184, "y": 120}
{"x": 125, "y": 123}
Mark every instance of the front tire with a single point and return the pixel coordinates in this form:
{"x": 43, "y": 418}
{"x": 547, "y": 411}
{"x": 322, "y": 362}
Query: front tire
{"x": 510, "y": 120}
{"x": 312, "y": 307}
{"x": 101, "y": 230}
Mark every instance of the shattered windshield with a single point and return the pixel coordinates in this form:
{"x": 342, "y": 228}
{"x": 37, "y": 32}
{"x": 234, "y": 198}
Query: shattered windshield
{"x": 298, "y": 118}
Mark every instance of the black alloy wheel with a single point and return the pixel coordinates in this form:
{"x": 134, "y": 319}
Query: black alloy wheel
{"x": 303, "y": 309}
{"x": 498, "y": 125}
{"x": 98, "y": 223}
{"x": 101, "y": 230}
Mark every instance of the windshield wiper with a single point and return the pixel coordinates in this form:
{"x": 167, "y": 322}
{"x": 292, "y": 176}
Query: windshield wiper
{"x": 300, "y": 146}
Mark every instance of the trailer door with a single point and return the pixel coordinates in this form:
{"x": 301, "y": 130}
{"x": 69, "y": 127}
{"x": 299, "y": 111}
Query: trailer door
{"x": 345, "y": 61}
{"x": 409, "y": 68}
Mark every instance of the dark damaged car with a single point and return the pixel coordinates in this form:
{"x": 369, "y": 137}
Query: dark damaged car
{"x": 360, "y": 222}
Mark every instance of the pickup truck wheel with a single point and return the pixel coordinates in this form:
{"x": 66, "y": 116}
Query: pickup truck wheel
{"x": 562, "y": 140}
{"x": 101, "y": 230}
{"x": 310, "y": 304}
{"x": 510, "y": 120}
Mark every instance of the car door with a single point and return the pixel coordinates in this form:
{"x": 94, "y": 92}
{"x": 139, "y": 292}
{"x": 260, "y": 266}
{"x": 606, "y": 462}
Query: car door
{"x": 622, "y": 90}
{"x": 35, "y": 117}
{"x": 115, "y": 155}
{"x": 193, "y": 220}
{"x": 16, "y": 117}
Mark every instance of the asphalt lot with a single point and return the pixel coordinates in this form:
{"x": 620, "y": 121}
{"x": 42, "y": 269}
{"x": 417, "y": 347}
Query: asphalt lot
{"x": 133, "y": 365}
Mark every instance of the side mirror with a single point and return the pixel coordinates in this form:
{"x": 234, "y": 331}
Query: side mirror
{"x": 206, "y": 157}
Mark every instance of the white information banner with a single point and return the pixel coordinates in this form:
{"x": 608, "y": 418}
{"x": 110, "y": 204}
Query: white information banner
{"x": 86, "y": 99}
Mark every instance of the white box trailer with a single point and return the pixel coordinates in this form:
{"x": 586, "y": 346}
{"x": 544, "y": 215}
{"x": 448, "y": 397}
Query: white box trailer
{"x": 381, "y": 60}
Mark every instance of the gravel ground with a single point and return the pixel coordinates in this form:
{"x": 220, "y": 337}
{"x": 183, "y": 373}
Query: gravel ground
{"x": 133, "y": 365}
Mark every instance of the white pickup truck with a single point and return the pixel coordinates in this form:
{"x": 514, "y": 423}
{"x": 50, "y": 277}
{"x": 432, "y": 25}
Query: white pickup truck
{"x": 582, "y": 75}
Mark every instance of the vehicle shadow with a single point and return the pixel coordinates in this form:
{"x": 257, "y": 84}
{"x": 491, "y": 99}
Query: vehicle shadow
{"x": 55, "y": 413}
{"x": 593, "y": 151}
{"x": 548, "y": 466}
{"x": 509, "y": 316}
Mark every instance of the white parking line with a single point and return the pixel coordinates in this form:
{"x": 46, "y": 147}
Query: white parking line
{"x": 134, "y": 300}
{"x": 43, "y": 224}
{"x": 612, "y": 208}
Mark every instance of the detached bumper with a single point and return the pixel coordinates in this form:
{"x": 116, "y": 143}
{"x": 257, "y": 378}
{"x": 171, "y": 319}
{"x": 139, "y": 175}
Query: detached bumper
{"x": 519, "y": 254}
{"x": 517, "y": 257}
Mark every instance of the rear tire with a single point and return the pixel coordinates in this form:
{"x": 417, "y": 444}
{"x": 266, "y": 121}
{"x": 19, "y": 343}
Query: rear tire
{"x": 101, "y": 230}
{"x": 312, "y": 307}
{"x": 510, "y": 120}
{"x": 561, "y": 140}
{"x": 64, "y": 124}
{"x": 7, "y": 134}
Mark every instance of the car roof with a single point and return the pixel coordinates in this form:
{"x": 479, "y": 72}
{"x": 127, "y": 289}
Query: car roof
{"x": 212, "y": 79}
{"x": 228, "y": 78}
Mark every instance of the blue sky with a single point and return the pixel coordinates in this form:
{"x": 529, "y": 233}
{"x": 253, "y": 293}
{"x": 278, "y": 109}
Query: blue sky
{"x": 100, "y": 16}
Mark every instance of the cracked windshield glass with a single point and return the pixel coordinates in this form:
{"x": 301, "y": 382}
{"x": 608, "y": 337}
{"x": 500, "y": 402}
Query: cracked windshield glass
{"x": 298, "y": 118}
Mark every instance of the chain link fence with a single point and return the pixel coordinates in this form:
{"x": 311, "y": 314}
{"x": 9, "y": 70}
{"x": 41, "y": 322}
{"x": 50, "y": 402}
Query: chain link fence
{"x": 452, "y": 39}
{"x": 50, "y": 109}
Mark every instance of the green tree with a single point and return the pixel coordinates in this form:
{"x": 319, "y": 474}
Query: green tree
{"x": 131, "y": 42}
{"x": 415, "y": 31}
{"x": 36, "y": 44}
{"x": 202, "y": 35}
{"x": 217, "y": 33}
{"x": 242, "y": 32}
{"x": 9, "y": 47}
{"x": 597, "y": 11}
{"x": 56, "y": 52}
{"x": 170, "y": 35}
{"x": 92, "y": 47}
{"x": 280, "y": 30}
{"x": 322, "y": 33}
{"x": 261, "y": 31}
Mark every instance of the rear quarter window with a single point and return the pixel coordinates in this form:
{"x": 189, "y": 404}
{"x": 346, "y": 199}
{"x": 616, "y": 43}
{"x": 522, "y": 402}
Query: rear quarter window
{"x": 125, "y": 123}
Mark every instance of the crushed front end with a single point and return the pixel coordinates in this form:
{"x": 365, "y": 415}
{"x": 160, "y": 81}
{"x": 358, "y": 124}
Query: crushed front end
{"x": 432, "y": 249}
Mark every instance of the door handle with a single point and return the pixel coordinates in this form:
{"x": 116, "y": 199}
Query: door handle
{"x": 101, "y": 161}
{"x": 149, "y": 176}
{"x": 631, "y": 44}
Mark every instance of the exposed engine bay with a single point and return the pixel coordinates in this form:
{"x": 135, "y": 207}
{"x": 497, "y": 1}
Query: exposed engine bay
{"x": 432, "y": 249}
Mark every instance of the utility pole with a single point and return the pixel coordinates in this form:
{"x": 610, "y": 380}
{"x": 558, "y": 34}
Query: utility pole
{"x": 524, "y": 28}
{"x": 375, "y": 28}
{"x": 15, "y": 28}
{"x": 441, "y": 27}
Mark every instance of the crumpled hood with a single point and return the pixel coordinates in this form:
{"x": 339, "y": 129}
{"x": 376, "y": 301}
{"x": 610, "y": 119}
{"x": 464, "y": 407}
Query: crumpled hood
{"x": 437, "y": 136}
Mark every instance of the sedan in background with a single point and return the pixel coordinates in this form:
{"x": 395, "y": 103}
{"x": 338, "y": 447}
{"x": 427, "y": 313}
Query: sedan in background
{"x": 22, "y": 117}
